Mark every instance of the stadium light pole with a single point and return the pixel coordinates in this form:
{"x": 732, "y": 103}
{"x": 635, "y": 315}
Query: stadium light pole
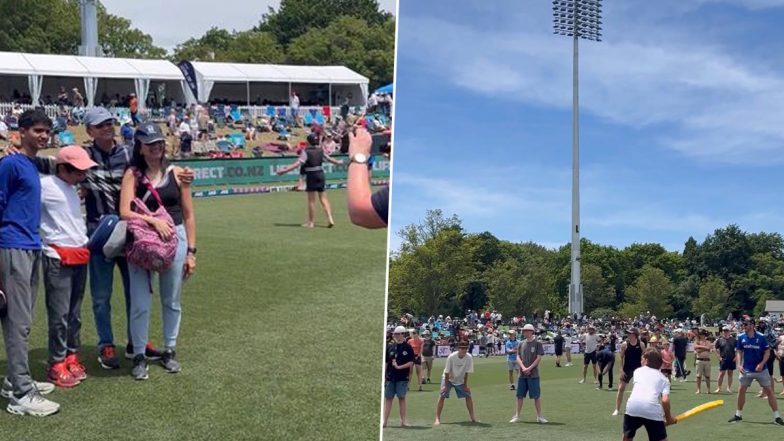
{"x": 576, "y": 19}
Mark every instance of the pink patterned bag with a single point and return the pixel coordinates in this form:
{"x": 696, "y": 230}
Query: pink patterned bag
{"x": 145, "y": 247}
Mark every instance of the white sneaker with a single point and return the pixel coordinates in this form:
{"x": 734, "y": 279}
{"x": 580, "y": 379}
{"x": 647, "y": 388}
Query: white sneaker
{"x": 32, "y": 404}
{"x": 43, "y": 387}
{"x": 541, "y": 420}
{"x": 514, "y": 419}
{"x": 615, "y": 412}
{"x": 582, "y": 381}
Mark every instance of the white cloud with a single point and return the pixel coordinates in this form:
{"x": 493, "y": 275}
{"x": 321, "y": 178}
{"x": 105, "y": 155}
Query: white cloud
{"x": 722, "y": 108}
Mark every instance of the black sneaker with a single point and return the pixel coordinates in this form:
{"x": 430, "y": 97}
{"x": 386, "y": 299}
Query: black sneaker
{"x": 778, "y": 421}
{"x": 150, "y": 352}
{"x": 172, "y": 366}
{"x": 139, "y": 371}
{"x": 736, "y": 419}
{"x": 107, "y": 359}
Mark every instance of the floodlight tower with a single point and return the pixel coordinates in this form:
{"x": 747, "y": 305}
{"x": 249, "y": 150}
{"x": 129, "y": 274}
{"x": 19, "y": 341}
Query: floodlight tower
{"x": 576, "y": 19}
{"x": 88, "y": 11}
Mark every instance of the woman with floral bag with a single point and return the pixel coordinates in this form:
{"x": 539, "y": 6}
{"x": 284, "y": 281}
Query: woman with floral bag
{"x": 153, "y": 199}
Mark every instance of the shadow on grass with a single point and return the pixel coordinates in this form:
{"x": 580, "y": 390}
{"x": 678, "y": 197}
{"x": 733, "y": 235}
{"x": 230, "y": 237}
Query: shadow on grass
{"x": 549, "y": 423}
{"x": 468, "y": 424}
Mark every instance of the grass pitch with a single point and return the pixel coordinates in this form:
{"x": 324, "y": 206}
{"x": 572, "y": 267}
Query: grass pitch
{"x": 576, "y": 412}
{"x": 280, "y": 340}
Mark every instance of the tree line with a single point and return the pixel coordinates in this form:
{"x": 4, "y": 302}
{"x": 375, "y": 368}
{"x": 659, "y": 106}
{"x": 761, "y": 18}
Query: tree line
{"x": 353, "y": 33}
{"x": 442, "y": 269}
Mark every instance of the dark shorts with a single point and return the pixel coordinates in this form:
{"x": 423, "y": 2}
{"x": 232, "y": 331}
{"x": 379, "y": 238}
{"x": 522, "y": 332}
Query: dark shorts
{"x": 418, "y": 360}
{"x": 657, "y": 431}
{"x": 626, "y": 376}
{"x": 589, "y": 357}
{"x": 727, "y": 364}
{"x": 559, "y": 350}
{"x": 528, "y": 386}
{"x": 314, "y": 181}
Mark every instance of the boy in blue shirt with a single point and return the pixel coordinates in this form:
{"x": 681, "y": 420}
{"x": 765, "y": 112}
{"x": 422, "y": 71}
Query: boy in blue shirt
{"x": 751, "y": 357}
{"x": 511, "y": 356}
{"x": 20, "y": 256}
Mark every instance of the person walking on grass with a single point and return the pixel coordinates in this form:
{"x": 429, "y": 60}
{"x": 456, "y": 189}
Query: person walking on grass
{"x": 416, "y": 345}
{"x": 312, "y": 159}
{"x": 725, "y": 349}
{"x": 529, "y": 355}
{"x": 751, "y": 357}
{"x": 649, "y": 403}
{"x": 631, "y": 359}
{"x": 399, "y": 359}
{"x": 20, "y": 256}
{"x": 428, "y": 352}
{"x": 511, "y": 356}
{"x": 458, "y": 365}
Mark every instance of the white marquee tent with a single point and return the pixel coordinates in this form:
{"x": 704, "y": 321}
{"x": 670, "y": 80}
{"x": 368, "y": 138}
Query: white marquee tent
{"x": 45, "y": 74}
{"x": 275, "y": 82}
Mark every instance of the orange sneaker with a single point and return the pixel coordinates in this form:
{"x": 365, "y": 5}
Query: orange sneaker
{"x": 60, "y": 376}
{"x": 75, "y": 367}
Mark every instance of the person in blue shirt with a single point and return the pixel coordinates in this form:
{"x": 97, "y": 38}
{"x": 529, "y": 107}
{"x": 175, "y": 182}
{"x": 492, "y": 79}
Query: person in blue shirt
{"x": 511, "y": 356}
{"x": 20, "y": 256}
{"x": 751, "y": 357}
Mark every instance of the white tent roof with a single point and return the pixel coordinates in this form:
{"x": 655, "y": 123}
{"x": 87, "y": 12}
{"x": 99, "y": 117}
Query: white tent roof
{"x": 77, "y": 66}
{"x": 276, "y": 73}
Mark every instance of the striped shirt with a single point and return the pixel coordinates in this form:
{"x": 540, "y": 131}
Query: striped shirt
{"x": 102, "y": 183}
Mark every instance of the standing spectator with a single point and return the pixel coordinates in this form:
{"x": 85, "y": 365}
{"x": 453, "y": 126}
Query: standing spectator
{"x": 511, "y": 356}
{"x": 559, "y": 347}
{"x": 133, "y": 105}
{"x": 171, "y": 123}
{"x": 631, "y": 359}
{"x": 126, "y": 130}
{"x": 649, "y": 404}
{"x": 78, "y": 99}
{"x": 751, "y": 355}
{"x": 65, "y": 259}
{"x": 667, "y": 358}
{"x": 294, "y": 106}
{"x": 399, "y": 359}
{"x": 780, "y": 357}
{"x": 529, "y": 354}
{"x": 428, "y": 352}
{"x": 185, "y": 126}
{"x": 149, "y": 173}
{"x": 702, "y": 350}
{"x": 458, "y": 365}
{"x": 679, "y": 345}
{"x": 725, "y": 349}
{"x": 20, "y": 256}
{"x": 62, "y": 97}
{"x": 568, "y": 346}
{"x": 416, "y": 345}
{"x": 606, "y": 359}
{"x": 344, "y": 109}
{"x": 589, "y": 341}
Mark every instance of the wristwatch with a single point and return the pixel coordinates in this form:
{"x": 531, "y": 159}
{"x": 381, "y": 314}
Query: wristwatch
{"x": 192, "y": 250}
{"x": 359, "y": 158}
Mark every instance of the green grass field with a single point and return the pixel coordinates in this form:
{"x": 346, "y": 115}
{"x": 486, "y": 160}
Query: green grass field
{"x": 576, "y": 412}
{"x": 280, "y": 340}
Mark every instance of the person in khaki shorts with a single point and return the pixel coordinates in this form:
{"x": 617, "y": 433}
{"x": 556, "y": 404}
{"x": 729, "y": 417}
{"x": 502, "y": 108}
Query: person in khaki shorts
{"x": 702, "y": 350}
{"x": 428, "y": 352}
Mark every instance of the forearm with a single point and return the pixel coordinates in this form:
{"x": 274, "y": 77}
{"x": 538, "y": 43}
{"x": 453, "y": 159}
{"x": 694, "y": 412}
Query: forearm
{"x": 666, "y": 407}
{"x": 358, "y": 194}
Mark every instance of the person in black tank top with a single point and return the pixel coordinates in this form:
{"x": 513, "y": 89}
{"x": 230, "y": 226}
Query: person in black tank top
{"x": 631, "y": 359}
{"x": 311, "y": 160}
{"x": 150, "y": 179}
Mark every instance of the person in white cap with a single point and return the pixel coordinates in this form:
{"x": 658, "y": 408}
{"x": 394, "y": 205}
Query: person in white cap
{"x": 529, "y": 355}
{"x": 65, "y": 259}
{"x": 399, "y": 359}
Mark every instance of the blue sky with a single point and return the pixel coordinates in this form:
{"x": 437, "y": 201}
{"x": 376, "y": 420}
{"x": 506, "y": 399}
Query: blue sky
{"x": 682, "y": 120}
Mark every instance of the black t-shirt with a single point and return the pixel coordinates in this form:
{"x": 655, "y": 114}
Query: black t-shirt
{"x": 726, "y": 347}
{"x": 679, "y": 345}
{"x": 403, "y": 353}
{"x": 380, "y": 201}
{"x": 559, "y": 341}
{"x": 427, "y": 347}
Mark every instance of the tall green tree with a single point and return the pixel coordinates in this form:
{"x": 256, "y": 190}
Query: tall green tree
{"x": 651, "y": 292}
{"x": 712, "y": 298}
{"x": 294, "y": 18}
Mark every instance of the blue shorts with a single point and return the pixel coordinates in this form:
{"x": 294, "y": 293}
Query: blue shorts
{"x": 393, "y": 388}
{"x": 461, "y": 392}
{"x": 528, "y": 385}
